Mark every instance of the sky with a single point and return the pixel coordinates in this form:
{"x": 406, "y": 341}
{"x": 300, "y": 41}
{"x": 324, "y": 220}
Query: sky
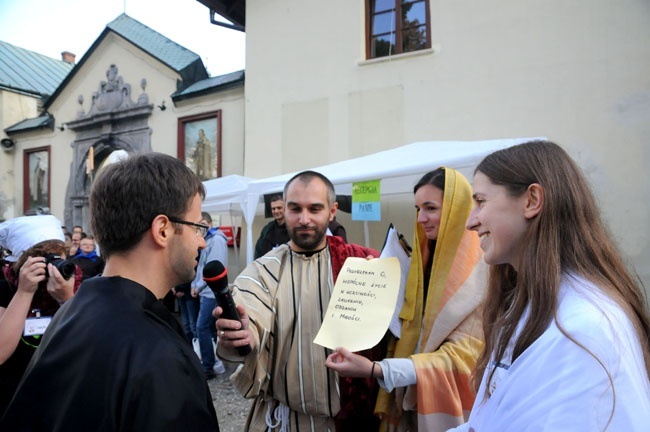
{"x": 51, "y": 26}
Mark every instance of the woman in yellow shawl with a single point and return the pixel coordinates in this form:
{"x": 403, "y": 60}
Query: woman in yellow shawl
{"x": 427, "y": 381}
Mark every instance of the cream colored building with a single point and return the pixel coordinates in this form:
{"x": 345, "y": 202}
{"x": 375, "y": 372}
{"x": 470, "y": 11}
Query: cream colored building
{"x": 23, "y": 87}
{"x": 135, "y": 91}
{"x": 576, "y": 72}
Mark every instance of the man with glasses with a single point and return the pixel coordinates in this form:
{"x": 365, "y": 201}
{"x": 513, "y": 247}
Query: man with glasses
{"x": 216, "y": 249}
{"x": 114, "y": 358}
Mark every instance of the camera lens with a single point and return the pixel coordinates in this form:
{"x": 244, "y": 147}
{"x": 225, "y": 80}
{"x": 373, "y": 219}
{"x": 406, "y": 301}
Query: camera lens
{"x": 65, "y": 267}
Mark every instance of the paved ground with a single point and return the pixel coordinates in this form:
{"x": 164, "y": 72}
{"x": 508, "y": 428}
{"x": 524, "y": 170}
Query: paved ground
{"x": 232, "y": 408}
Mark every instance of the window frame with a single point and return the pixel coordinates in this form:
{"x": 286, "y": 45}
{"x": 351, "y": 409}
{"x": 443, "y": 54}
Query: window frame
{"x": 28, "y": 180}
{"x": 397, "y": 8}
{"x": 187, "y": 127}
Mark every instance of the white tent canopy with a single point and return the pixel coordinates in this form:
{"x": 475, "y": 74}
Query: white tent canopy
{"x": 226, "y": 194}
{"x": 398, "y": 169}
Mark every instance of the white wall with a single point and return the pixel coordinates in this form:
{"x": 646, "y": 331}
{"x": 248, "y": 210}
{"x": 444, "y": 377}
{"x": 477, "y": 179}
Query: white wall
{"x": 576, "y": 72}
{"x": 14, "y": 107}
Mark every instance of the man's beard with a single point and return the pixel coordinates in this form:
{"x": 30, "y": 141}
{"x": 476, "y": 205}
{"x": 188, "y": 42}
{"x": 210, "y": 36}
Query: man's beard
{"x": 307, "y": 242}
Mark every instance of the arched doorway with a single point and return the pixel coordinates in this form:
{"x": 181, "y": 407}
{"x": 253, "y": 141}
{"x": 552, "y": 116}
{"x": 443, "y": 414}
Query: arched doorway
{"x": 113, "y": 123}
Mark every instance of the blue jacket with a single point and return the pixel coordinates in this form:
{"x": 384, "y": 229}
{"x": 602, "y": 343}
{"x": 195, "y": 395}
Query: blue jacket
{"x": 216, "y": 249}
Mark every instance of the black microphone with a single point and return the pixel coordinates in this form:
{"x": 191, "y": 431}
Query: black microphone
{"x": 216, "y": 276}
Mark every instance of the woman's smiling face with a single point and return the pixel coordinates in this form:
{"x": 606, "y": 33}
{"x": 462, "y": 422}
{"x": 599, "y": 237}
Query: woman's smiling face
{"x": 428, "y": 202}
{"x": 500, "y": 221}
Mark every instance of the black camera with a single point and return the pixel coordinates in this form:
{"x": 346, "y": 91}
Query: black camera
{"x": 65, "y": 267}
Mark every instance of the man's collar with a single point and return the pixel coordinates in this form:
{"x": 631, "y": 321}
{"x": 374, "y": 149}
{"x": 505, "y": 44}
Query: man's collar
{"x": 211, "y": 232}
{"x": 308, "y": 253}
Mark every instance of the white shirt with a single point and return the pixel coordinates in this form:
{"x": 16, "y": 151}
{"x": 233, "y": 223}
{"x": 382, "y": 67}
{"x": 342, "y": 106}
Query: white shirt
{"x": 556, "y": 385}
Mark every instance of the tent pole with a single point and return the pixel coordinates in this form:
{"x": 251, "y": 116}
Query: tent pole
{"x": 366, "y": 234}
{"x": 235, "y": 230}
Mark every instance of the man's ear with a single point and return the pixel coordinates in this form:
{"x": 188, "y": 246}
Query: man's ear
{"x": 534, "y": 200}
{"x": 333, "y": 210}
{"x": 161, "y": 230}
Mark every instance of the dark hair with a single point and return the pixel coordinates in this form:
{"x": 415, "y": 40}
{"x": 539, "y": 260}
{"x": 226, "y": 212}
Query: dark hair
{"x": 434, "y": 178}
{"x": 207, "y": 216}
{"x": 306, "y": 177}
{"x": 129, "y": 194}
{"x": 568, "y": 235}
{"x": 275, "y": 197}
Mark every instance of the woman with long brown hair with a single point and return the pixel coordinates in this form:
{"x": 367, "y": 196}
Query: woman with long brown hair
{"x": 566, "y": 330}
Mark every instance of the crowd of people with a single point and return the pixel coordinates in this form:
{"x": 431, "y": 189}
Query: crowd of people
{"x": 519, "y": 313}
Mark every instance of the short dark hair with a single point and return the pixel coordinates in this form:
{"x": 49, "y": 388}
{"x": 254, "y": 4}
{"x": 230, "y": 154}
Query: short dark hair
{"x": 276, "y": 197}
{"x": 207, "y": 216}
{"x": 129, "y": 194}
{"x": 308, "y": 176}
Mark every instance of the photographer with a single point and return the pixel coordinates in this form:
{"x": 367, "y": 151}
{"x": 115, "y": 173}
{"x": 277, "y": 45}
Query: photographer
{"x": 31, "y": 292}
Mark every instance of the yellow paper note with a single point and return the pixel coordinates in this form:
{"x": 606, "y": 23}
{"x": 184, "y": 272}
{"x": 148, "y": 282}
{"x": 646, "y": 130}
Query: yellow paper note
{"x": 361, "y": 305}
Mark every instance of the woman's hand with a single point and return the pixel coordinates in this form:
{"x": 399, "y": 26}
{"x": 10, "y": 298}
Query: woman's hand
{"x": 348, "y": 364}
{"x": 59, "y": 288}
{"x": 31, "y": 274}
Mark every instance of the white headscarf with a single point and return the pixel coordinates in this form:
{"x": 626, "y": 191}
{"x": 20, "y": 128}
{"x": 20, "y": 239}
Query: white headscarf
{"x": 21, "y": 233}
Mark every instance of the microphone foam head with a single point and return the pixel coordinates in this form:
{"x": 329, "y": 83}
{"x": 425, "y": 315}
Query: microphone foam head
{"x": 214, "y": 269}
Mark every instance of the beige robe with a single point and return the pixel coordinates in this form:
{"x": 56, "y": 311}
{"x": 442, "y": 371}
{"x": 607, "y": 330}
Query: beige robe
{"x": 287, "y": 368}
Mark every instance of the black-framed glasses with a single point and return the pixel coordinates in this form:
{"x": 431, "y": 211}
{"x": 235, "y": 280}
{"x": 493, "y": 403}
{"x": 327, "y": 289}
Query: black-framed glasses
{"x": 201, "y": 230}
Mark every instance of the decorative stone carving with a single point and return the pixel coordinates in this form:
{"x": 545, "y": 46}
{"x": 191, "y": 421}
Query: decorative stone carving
{"x": 143, "y": 99}
{"x": 113, "y": 122}
{"x": 114, "y": 94}
{"x": 80, "y": 100}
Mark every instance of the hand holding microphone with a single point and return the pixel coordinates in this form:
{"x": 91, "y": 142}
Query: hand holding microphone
{"x": 216, "y": 277}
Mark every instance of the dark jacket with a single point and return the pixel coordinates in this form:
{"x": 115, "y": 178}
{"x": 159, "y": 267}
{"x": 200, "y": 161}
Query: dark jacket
{"x": 91, "y": 264}
{"x": 272, "y": 236}
{"x": 113, "y": 358}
